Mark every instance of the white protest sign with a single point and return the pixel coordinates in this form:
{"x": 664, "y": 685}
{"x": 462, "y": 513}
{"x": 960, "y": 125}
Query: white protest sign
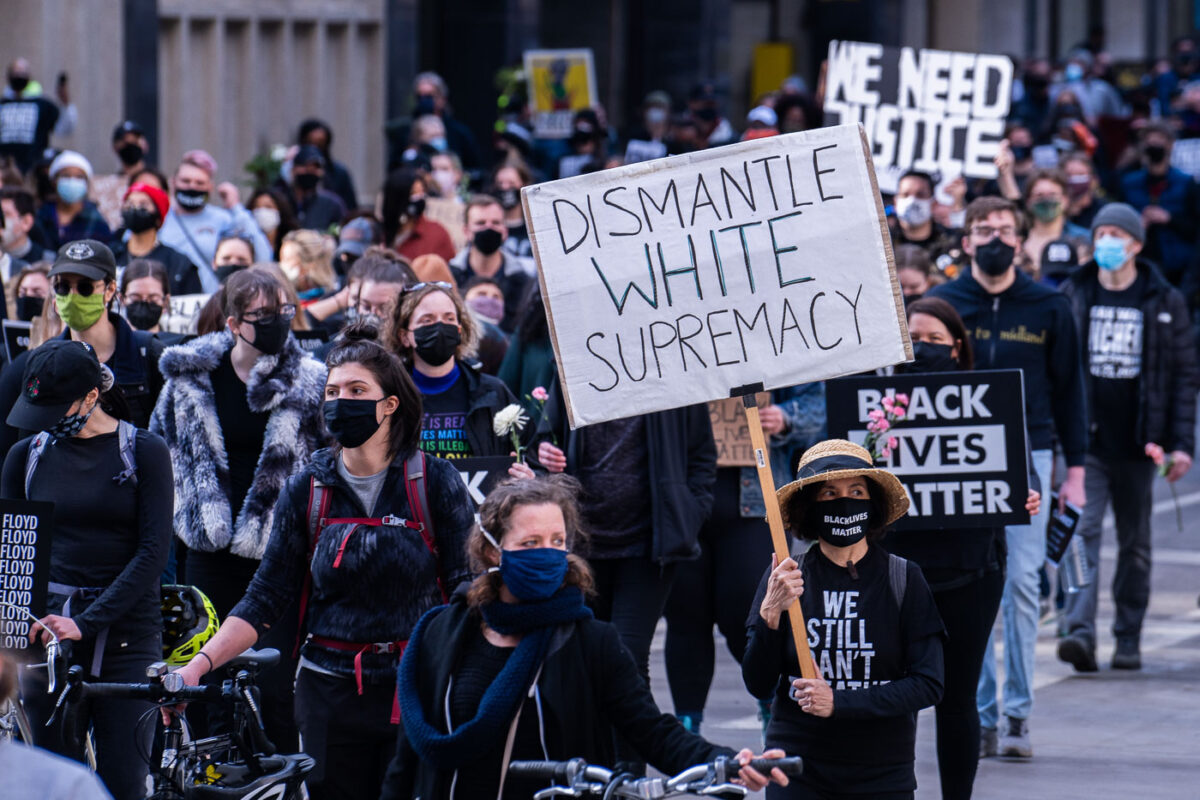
{"x": 928, "y": 110}
{"x": 672, "y": 282}
{"x": 182, "y": 315}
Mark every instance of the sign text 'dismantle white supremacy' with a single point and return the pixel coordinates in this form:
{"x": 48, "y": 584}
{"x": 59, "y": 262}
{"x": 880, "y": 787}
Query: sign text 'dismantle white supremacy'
{"x": 671, "y": 282}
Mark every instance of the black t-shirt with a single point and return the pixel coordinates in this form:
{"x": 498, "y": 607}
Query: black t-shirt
{"x": 950, "y": 558}
{"x": 182, "y": 275}
{"x": 883, "y": 661}
{"x": 106, "y": 534}
{"x": 242, "y": 429}
{"x": 614, "y": 468}
{"x": 1114, "y": 349}
{"x": 25, "y": 126}
{"x": 444, "y": 429}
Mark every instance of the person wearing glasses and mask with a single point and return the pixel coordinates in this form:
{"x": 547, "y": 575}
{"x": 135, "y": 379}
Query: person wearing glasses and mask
{"x": 84, "y": 283}
{"x": 1023, "y": 325}
{"x": 241, "y": 413}
{"x": 436, "y": 336}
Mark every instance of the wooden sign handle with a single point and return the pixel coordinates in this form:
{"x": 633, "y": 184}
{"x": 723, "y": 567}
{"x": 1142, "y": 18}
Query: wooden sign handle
{"x": 762, "y": 461}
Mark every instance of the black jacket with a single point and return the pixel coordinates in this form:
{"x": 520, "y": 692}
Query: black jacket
{"x": 486, "y": 395}
{"x": 1167, "y": 389}
{"x": 1029, "y": 327}
{"x": 588, "y": 688}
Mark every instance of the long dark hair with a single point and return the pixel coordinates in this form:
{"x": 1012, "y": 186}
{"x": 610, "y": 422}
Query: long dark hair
{"x": 396, "y": 191}
{"x": 360, "y": 345}
{"x": 943, "y": 312}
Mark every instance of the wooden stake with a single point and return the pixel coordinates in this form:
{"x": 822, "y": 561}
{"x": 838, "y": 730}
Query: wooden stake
{"x": 775, "y": 521}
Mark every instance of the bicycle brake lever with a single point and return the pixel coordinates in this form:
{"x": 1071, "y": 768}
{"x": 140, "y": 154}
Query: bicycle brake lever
{"x": 555, "y": 791}
{"x": 724, "y": 788}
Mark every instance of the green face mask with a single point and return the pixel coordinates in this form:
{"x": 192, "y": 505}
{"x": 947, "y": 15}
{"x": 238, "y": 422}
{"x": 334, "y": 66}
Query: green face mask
{"x": 80, "y": 313}
{"x": 1047, "y": 210}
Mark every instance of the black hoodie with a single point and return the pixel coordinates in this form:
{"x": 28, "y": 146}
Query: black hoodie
{"x": 1029, "y": 327}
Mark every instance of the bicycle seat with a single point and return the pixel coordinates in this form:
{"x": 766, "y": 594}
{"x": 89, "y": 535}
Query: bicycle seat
{"x": 266, "y": 657}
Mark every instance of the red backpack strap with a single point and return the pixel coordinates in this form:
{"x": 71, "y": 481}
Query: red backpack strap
{"x": 418, "y": 505}
{"x": 319, "y": 498}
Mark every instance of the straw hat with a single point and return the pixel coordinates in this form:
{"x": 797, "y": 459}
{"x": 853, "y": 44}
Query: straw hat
{"x": 838, "y": 458}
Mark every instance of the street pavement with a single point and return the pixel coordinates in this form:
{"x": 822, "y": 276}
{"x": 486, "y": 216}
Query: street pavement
{"x": 1109, "y": 734}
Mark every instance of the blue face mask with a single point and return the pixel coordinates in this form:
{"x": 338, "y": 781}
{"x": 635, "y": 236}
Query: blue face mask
{"x": 1109, "y": 252}
{"x": 1073, "y": 72}
{"x": 71, "y": 190}
{"x": 439, "y": 143}
{"x": 532, "y": 574}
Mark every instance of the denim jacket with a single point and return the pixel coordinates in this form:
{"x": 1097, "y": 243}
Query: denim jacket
{"x": 804, "y": 407}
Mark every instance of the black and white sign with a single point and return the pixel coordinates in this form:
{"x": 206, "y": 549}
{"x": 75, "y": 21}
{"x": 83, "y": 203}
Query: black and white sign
{"x": 930, "y": 110}
{"x": 311, "y": 341}
{"x": 16, "y": 337}
{"x": 482, "y": 473}
{"x": 960, "y": 447}
{"x": 1060, "y": 528}
{"x": 25, "y": 533}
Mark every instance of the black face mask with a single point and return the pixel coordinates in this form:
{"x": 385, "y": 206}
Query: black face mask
{"x": 487, "y": 241}
{"x": 143, "y": 315}
{"x": 509, "y": 198}
{"x": 930, "y": 357}
{"x": 424, "y": 105}
{"x": 1155, "y": 153}
{"x": 1021, "y": 152}
{"x": 352, "y": 422}
{"x": 706, "y": 114}
{"x": 224, "y": 272}
{"x": 18, "y": 84}
{"x": 995, "y": 257}
{"x": 270, "y": 335}
{"x": 436, "y": 342}
{"x": 911, "y": 298}
{"x": 139, "y": 220}
{"x": 29, "y": 308}
{"x": 307, "y": 181}
{"x": 841, "y": 522}
{"x": 191, "y": 199}
{"x": 130, "y": 153}
{"x": 415, "y": 208}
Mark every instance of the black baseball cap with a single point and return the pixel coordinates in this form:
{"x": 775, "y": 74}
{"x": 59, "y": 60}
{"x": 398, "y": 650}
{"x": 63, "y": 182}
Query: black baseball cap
{"x": 308, "y": 154}
{"x": 128, "y": 126}
{"x": 86, "y": 257}
{"x": 57, "y": 374}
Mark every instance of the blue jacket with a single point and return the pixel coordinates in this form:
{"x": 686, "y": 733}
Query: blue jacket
{"x": 1171, "y": 245}
{"x": 804, "y": 406}
{"x": 1029, "y": 327}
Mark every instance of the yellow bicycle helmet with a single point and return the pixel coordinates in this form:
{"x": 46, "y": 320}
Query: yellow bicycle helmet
{"x": 189, "y": 620}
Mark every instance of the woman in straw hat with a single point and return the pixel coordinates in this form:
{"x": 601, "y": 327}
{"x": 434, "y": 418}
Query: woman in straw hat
{"x": 874, "y": 632}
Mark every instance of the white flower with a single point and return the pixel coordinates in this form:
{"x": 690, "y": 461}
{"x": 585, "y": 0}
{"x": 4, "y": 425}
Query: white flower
{"x": 278, "y": 152}
{"x": 509, "y": 419}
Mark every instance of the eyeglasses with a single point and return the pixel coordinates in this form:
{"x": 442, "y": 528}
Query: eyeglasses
{"x": 987, "y": 231}
{"x": 286, "y": 311}
{"x": 83, "y": 287}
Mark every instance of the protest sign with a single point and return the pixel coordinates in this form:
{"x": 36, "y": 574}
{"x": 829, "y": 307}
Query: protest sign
{"x": 25, "y": 533}
{"x": 960, "y": 447}
{"x": 930, "y": 110}
{"x": 482, "y": 473}
{"x": 731, "y": 432}
{"x": 311, "y": 341}
{"x": 183, "y": 312}
{"x": 16, "y": 337}
{"x": 671, "y": 282}
{"x": 560, "y": 83}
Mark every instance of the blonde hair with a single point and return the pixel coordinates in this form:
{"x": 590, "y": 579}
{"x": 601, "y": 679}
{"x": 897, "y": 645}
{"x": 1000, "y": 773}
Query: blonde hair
{"x": 316, "y": 256}
{"x": 403, "y": 314}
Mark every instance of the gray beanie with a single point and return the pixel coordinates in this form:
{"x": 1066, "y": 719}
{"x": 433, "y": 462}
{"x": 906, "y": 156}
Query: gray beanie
{"x": 1123, "y": 216}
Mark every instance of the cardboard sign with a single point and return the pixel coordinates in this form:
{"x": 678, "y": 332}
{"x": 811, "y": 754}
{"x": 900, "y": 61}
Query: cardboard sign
{"x": 25, "y": 532}
{"x": 672, "y": 282}
{"x": 730, "y": 431}
{"x": 560, "y": 82}
{"x": 482, "y": 473}
{"x": 182, "y": 315}
{"x": 961, "y": 446}
{"x": 16, "y": 337}
{"x": 930, "y": 110}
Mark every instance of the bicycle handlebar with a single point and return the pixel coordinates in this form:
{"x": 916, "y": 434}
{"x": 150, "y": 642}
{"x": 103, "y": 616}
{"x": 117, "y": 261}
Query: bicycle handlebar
{"x": 579, "y": 777}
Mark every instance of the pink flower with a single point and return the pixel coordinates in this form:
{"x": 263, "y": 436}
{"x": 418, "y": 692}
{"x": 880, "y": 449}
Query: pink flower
{"x": 876, "y": 414}
{"x": 893, "y": 443}
{"x": 883, "y": 426}
{"x": 898, "y": 412}
{"x": 902, "y": 399}
{"x": 887, "y": 402}
{"x": 540, "y": 394}
{"x": 885, "y": 453}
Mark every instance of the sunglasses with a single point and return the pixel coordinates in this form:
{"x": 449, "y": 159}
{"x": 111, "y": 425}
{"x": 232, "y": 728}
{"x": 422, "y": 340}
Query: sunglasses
{"x": 83, "y": 287}
{"x": 416, "y": 287}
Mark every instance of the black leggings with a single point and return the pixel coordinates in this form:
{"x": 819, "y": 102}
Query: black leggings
{"x": 968, "y": 613}
{"x": 717, "y": 587}
{"x": 631, "y": 593}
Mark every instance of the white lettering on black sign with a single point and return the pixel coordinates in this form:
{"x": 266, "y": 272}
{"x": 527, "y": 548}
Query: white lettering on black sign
{"x": 24, "y": 563}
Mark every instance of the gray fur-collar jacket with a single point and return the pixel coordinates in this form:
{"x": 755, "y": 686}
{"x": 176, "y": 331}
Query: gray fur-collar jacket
{"x": 289, "y": 386}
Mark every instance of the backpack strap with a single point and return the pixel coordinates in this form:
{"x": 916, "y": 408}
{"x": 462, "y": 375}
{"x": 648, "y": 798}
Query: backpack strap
{"x": 898, "y": 577}
{"x": 319, "y": 497}
{"x": 32, "y": 455}
{"x": 418, "y": 505}
{"x": 127, "y": 439}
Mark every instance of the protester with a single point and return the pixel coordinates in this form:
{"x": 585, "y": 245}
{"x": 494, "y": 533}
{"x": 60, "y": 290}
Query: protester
{"x": 405, "y": 226}
{"x": 507, "y": 183}
{"x": 431, "y": 95}
{"x": 485, "y": 300}
{"x": 914, "y": 223}
{"x": 18, "y": 207}
{"x": 111, "y": 489}
{"x": 712, "y": 128}
{"x": 855, "y": 723}
{"x": 485, "y": 256}
{"x": 306, "y": 258}
{"x": 433, "y": 269}
{"x": 109, "y": 191}
{"x": 29, "y": 290}
{"x": 317, "y": 208}
{"x": 1141, "y": 392}
{"x": 9, "y": 265}
{"x": 273, "y": 212}
{"x": 387, "y": 545}
{"x": 517, "y": 654}
{"x": 354, "y": 239}
{"x": 914, "y": 271}
{"x": 27, "y": 118}
{"x": 193, "y": 226}
{"x": 1097, "y": 98}
{"x": 1083, "y": 190}
{"x": 145, "y": 295}
{"x": 529, "y": 360}
{"x": 1019, "y": 324}
{"x": 337, "y": 179}
{"x": 234, "y": 253}
{"x": 964, "y": 568}
{"x": 142, "y": 215}
{"x": 70, "y": 216}
{"x": 1045, "y": 199}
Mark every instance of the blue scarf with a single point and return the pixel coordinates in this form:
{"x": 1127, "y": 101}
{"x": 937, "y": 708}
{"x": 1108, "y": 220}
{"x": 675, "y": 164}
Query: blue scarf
{"x": 536, "y": 622}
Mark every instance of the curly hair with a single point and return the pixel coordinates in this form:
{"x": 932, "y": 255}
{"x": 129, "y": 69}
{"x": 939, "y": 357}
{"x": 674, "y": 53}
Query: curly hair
{"x": 407, "y": 307}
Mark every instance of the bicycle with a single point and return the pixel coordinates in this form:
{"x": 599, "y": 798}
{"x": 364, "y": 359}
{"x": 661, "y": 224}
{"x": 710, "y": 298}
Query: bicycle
{"x": 237, "y": 765}
{"x": 582, "y": 778}
{"x": 14, "y": 721}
